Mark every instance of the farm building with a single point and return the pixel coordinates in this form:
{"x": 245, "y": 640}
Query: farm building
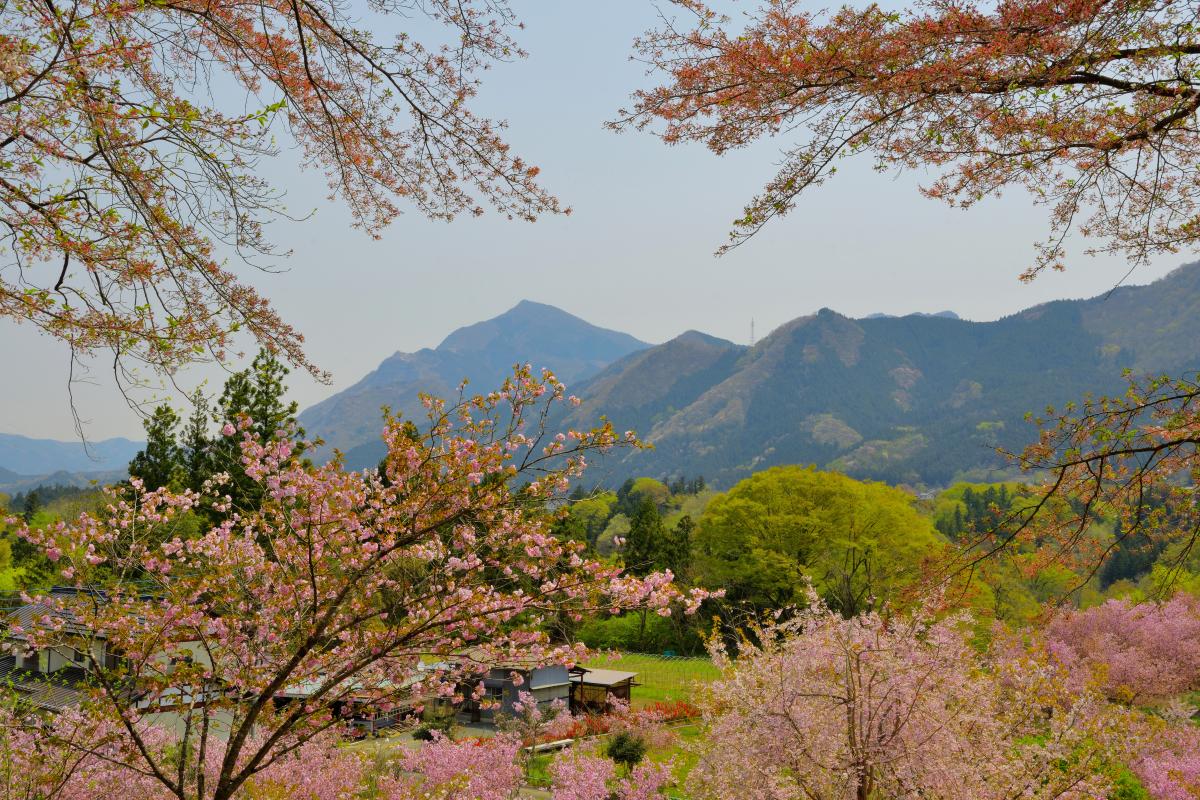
{"x": 593, "y": 690}
{"x": 503, "y": 686}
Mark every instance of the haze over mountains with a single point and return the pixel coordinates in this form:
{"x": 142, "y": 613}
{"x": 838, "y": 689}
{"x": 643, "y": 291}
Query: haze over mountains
{"x": 26, "y": 463}
{"x": 921, "y": 399}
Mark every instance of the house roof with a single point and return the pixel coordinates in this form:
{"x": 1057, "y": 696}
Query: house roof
{"x": 28, "y": 615}
{"x": 54, "y": 692}
{"x": 603, "y": 677}
{"x": 546, "y": 677}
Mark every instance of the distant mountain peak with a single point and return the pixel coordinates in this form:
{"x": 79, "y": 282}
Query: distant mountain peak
{"x": 943, "y": 314}
{"x": 700, "y": 337}
{"x": 483, "y": 353}
{"x": 531, "y": 326}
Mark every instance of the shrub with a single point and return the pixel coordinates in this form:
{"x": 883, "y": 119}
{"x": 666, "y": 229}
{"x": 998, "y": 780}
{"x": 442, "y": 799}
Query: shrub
{"x": 626, "y": 749}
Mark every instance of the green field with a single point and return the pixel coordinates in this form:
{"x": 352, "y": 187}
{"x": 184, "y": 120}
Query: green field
{"x": 661, "y": 678}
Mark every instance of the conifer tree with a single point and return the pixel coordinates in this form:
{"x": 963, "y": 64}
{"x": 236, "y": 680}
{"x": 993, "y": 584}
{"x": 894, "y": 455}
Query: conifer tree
{"x": 254, "y": 397}
{"x": 677, "y": 549}
{"x": 196, "y": 443}
{"x": 644, "y": 543}
{"x": 160, "y": 463}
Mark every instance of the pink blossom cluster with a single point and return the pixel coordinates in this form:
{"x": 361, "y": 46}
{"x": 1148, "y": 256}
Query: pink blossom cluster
{"x": 581, "y": 774}
{"x": 823, "y": 706}
{"x": 1144, "y": 653}
{"x": 335, "y": 592}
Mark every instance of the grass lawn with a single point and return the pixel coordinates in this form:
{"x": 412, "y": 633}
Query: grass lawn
{"x": 661, "y": 678}
{"x": 684, "y": 761}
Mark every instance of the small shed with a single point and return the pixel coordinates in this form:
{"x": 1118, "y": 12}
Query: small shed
{"x": 592, "y": 690}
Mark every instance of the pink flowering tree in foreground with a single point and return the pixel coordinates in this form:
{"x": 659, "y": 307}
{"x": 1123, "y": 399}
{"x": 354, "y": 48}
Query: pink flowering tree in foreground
{"x": 36, "y": 764}
{"x": 827, "y": 708}
{"x": 581, "y": 774}
{"x": 338, "y": 591}
{"x": 1143, "y": 654}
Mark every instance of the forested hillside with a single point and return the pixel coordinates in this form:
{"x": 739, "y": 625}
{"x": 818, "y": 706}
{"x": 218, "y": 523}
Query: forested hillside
{"x": 923, "y": 400}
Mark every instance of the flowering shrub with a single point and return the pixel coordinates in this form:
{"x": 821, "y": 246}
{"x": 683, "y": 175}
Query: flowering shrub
{"x": 673, "y": 710}
{"x": 581, "y": 774}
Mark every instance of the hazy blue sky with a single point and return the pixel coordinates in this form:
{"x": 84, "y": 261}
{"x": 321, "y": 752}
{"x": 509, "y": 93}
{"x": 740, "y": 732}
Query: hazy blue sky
{"x": 636, "y": 255}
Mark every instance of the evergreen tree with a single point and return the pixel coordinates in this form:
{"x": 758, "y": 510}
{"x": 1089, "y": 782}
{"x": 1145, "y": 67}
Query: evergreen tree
{"x": 644, "y": 543}
{"x": 197, "y": 445}
{"x": 161, "y": 462}
{"x": 30, "y": 506}
{"x": 624, "y": 498}
{"x": 256, "y": 394}
{"x": 677, "y": 549}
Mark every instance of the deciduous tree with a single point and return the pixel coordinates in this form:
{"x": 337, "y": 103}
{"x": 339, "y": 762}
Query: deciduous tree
{"x": 827, "y": 708}
{"x": 132, "y": 136}
{"x": 1140, "y": 654}
{"x": 1091, "y": 106}
{"x": 858, "y": 542}
{"x": 334, "y": 591}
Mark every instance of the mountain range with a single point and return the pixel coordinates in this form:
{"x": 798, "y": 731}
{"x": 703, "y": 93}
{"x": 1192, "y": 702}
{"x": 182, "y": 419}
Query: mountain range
{"x": 923, "y": 399}
{"x": 920, "y": 399}
{"x": 26, "y": 463}
{"x": 483, "y": 354}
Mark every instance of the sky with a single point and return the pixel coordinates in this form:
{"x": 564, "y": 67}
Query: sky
{"x": 635, "y": 255}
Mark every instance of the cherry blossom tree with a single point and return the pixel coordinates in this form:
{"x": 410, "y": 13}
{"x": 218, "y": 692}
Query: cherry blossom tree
{"x": 1140, "y": 654}
{"x": 581, "y": 774}
{"x": 73, "y": 756}
{"x": 132, "y": 134}
{"x": 1169, "y": 767}
{"x": 826, "y": 708}
{"x": 341, "y": 590}
{"x": 448, "y": 770}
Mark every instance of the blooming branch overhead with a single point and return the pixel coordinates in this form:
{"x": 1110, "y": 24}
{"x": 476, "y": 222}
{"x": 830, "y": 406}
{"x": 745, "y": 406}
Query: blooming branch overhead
{"x": 1091, "y": 106}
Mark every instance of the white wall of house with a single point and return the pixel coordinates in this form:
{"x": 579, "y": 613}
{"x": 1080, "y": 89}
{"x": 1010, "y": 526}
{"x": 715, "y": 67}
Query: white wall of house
{"x": 52, "y": 659}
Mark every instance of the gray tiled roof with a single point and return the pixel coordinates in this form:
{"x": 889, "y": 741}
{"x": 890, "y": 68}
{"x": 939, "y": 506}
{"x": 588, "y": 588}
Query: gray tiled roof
{"x": 53, "y": 692}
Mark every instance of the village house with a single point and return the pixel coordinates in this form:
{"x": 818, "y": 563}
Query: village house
{"x": 55, "y": 678}
{"x": 51, "y": 678}
{"x": 504, "y": 683}
{"x": 582, "y": 690}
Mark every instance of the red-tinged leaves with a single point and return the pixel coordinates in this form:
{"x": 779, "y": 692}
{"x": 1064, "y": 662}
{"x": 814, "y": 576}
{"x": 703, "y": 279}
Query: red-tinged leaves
{"x": 1091, "y": 105}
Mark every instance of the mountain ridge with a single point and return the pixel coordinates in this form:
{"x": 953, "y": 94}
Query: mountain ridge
{"x": 483, "y": 353}
{"x": 921, "y": 399}
{"x": 27, "y": 456}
